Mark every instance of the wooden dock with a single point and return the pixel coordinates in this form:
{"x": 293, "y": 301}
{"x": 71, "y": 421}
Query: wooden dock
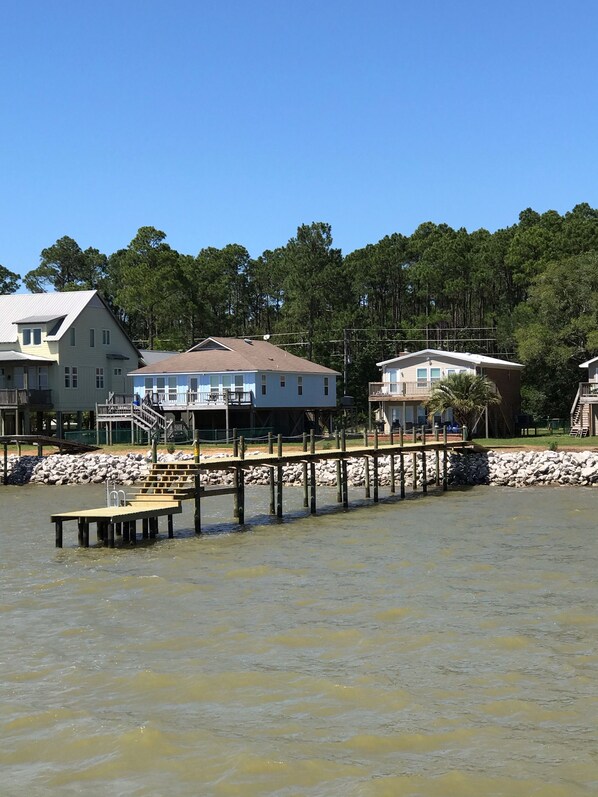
{"x": 170, "y": 483}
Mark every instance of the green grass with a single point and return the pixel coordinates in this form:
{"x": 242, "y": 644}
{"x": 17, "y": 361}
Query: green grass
{"x": 541, "y": 440}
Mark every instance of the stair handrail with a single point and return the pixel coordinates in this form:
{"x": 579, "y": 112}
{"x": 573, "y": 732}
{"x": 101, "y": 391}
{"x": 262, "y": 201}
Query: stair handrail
{"x": 575, "y": 402}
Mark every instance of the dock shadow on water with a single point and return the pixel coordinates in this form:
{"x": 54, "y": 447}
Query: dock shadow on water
{"x": 437, "y": 647}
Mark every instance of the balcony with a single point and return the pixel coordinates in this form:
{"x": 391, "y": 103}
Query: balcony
{"x": 588, "y": 392}
{"x": 401, "y": 391}
{"x": 196, "y": 399}
{"x": 20, "y": 397}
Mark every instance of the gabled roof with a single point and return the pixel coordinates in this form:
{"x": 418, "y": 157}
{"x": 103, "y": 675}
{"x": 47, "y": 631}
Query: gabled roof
{"x": 150, "y": 357}
{"x": 218, "y": 355}
{"x": 464, "y": 357}
{"x": 17, "y": 308}
{"x": 588, "y": 362}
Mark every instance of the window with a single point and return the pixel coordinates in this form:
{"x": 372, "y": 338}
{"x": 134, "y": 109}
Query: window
{"x": 172, "y": 394}
{"x": 299, "y": 385}
{"x": 325, "y": 385}
{"x": 161, "y": 387}
{"x": 106, "y": 337}
{"x": 92, "y": 338}
{"x": 264, "y": 384}
{"x": 118, "y": 372}
{"x": 283, "y": 380}
{"x": 32, "y": 337}
{"x": 422, "y": 377}
{"x": 99, "y": 378}
{"x": 71, "y": 376}
{"x": 72, "y": 337}
{"x": 434, "y": 375}
{"x": 148, "y": 385}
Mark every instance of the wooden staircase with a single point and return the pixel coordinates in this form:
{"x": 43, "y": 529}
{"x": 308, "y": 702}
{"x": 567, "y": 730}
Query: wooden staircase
{"x": 580, "y": 418}
{"x": 167, "y": 481}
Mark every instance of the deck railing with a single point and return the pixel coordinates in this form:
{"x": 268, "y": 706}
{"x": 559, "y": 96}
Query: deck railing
{"x": 188, "y": 399}
{"x": 389, "y": 391}
{"x": 21, "y": 397}
{"x": 588, "y": 390}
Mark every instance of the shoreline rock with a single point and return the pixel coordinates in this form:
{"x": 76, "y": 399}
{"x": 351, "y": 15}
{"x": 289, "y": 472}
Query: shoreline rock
{"x": 499, "y": 468}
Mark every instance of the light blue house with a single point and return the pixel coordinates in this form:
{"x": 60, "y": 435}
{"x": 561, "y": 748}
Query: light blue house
{"x": 225, "y": 383}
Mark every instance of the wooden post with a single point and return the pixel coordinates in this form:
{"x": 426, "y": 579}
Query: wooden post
{"x": 145, "y": 528}
{"x": 401, "y": 436}
{"x": 444, "y": 436}
{"x": 154, "y": 450}
{"x": 312, "y": 442}
{"x": 436, "y": 433}
{"x": 366, "y": 465}
{"x": 337, "y": 439}
{"x": 196, "y": 485}
{"x": 304, "y": 469}
{"x": 86, "y": 534}
{"x": 197, "y": 500}
{"x": 58, "y": 525}
{"x": 424, "y": 474}
{"x": 235, "y": 476}
{"x": 414, "y": 434}
{"x": 392, "y": 473}
{"x": 111, "y": 535}
{"x": 414, "y": 464}
{"x": 375, "y": 469}
{"x": 5, "y": 463}
{"x": 423, "y": 434}
{"x": 464, "y": 434}
{"x": 279, "y": 445}
{"x": 445, "y": 470}
{"x": 345, "y": 485}
{"x": 339, "y": 489}
{"x": 196, "y": 446}
{"x": 365, "y": 438}
{"x": 437, "y": 468}
{"x": 133, "y": 532}
{"x": 170, "y": 528}
{"x": 125, "y": 528}
{"x": 376, "y": 438}
{"x": 270, "y": 443}
{"x": 402, "y": 473}
{"x": 391, "y": 435}
{"x": 312, "y": 474}
{"x": 272, "y": 493}
{"x": 241, "y": 494}
{"x": 344, "y": 479}
{"x": 279, "y": 478}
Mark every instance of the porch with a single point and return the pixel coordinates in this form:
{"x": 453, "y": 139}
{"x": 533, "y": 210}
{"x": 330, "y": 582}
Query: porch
{"x": 22, "y": 398}
{"x": 401, "y": 391}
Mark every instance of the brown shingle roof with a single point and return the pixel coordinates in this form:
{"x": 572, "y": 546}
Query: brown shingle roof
{"x": 218, "y": 355}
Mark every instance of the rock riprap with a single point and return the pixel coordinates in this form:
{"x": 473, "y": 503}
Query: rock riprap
{"x": 506, "y": 468}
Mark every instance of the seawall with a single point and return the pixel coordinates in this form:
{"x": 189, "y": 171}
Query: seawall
{"x": 506, "y": 468}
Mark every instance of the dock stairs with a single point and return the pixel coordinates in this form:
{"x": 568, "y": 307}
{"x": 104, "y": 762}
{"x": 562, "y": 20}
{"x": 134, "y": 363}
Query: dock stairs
{"x": 167, "y": 481}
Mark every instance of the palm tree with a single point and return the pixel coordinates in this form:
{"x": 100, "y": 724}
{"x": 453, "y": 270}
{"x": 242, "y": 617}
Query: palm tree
{"x": 466, "y": 394}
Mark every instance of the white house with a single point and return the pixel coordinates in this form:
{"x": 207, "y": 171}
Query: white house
{"x": 226, "y": 383}
{"x": 60, "y": 353}
{"x": 400, "y": 398}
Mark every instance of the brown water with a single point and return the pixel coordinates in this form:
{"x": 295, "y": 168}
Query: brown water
{"x": 436, "y": 647}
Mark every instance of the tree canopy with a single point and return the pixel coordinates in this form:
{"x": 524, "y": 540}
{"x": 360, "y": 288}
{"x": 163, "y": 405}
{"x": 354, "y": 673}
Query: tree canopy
{"x": 525, "y": 292}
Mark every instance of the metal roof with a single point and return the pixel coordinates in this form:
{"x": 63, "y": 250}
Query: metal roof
{"x": 17, "y": 356}
{"x": 17, "y": 307}
{"x": 472, "y": 359}
{"x": 38, "y": 319}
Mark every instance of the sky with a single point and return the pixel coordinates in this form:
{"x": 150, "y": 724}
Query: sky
{"x": 230, "y": 121}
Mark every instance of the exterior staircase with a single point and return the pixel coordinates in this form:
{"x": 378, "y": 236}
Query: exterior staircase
{"x": 144, "y": 415}
{"x": 580, "y": 417}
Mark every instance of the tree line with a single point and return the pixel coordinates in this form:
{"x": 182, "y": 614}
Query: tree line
{"x": 528, "y": 292}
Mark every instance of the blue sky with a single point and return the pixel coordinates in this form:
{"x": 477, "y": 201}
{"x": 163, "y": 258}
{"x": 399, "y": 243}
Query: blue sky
{"x": 234, "y": 122}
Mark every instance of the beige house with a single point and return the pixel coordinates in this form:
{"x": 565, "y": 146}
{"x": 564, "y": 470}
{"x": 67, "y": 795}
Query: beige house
{"x": 407, "y": 380}
{"x": 60, "y": 353}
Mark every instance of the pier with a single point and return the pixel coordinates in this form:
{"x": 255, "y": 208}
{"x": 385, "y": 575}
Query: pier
{"x": 169, "y": 483}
